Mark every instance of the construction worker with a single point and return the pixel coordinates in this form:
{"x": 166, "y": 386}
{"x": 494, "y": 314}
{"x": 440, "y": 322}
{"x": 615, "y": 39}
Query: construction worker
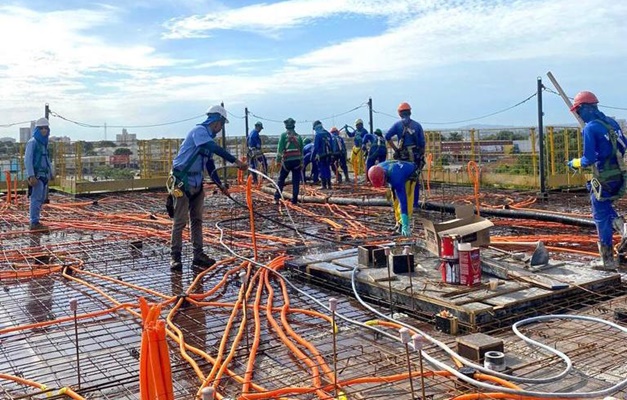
{"x": 322, "y": 153}
{"x": 289, "y": 156}
{"x": 401, "y": 176}
{"x": 411, "y": 142}
{"x": 603, "y": 148}
{"x": 186, "y": 189}
{"x": 307, "y": 151}
{"x": 338, "y": 158}
{"x": 357, "y": 155}
{"x": 375, "y": 148}
{"x": 38, "y": 170}
{"x": 256, "y": 158}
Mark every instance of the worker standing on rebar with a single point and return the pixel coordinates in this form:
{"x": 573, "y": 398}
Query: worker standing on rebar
{"x": 603, "y": 149}
{"x": 289, "y": 156}
{"x": 357, "y": 155}
{"x": 256, "y": 158}
{"x": 322, "y": 153}
{"x": 401, "y": 176}
{"x": 187, "y": 185}
{"x": 307, "y": 151}
{"x": 38, "y": 170}
{"x": 411, "y": 142}
{"x": 338, "y": 157}
{"x": 375, "y": 148}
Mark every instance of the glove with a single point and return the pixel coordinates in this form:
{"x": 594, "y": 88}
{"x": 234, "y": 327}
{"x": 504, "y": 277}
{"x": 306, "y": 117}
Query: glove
{"x": 32, "y": 180}
{"x": 405, "y": 230}
{"x": 574, "y": 163}
{"x": 241, "y": 165}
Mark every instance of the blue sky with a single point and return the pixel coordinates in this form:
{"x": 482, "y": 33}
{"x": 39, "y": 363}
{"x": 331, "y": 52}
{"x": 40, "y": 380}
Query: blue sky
{"x": 140, "y": 63}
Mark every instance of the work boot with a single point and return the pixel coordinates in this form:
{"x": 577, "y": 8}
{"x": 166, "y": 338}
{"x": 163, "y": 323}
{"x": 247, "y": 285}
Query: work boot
{"x": 618, "y": 224}
{"x": 329, "y": 184}
{"x": 38, "y": 226}
{"x": 202, "y": 260}
{"x": 607, "y": 262}
{"x": 339, "y": 178}
{"x": 323, "y": 184}
{"x": 175, "y": 262}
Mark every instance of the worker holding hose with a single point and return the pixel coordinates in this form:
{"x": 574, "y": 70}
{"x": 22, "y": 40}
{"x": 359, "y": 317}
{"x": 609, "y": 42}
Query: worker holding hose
{"x": 289, "y": 156}
{"x": 357, "y": 153}
{"x": 401, "y": 176}
{"x": 307, "y": 151}
{"x": 603, "y": 149}
{"x": 411, "y": 142}
{"x": 185, "y": 185}
{"x": 38, "y": 170}
{"x": 257, "y": 160}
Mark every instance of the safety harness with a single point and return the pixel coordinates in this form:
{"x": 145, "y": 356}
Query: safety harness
{"x": 612, "y": 172}
{"x": 292, "y": 147}
{"x": 408, "y": 152}
{"x": 39, "y": 153}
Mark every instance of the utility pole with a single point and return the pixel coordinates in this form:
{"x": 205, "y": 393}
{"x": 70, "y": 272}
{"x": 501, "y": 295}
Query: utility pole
{"x": 47, "y": 112}
{"x": 246, "y": 122}
{"x": 543, "y": 193}
{"x": 225, "y": 147}
{"x": 370, "y": 113}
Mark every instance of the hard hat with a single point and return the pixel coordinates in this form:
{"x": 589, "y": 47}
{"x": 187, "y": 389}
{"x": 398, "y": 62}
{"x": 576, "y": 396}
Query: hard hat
{"x": 359, "y": 121}
{"x": 404, "y": 107}
{"x": 218, "y": 110}
{"x": 42, "y": 122}
{"x": 259, "y": 124}
{"x": 584, "y": 97}
{"x": 378, "y": 132}
{"x": 334, "y": 130}
{"x": 315, "y": 123}
{"x": 289, "y": 123}
{"x": 306, "y": 141}
{"x": 376, "y": 175}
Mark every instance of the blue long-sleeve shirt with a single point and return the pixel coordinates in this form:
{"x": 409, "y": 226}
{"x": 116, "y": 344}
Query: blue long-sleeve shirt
{"x": 198, "y": 141}
{"x": 358, "y": 136}
{"x": 596, "y": 145}
{"x": 322, "y": 141}
{"x": 377, "y": 144}
{"x": 39, "y": 167}
{"x": 254, "y": 140}
{"x": 397, "y": 173}
{"x": 414, "y": 135}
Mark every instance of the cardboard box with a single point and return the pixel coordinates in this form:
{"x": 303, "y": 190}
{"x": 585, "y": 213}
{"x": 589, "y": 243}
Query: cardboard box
{"x": 469, "y": 227}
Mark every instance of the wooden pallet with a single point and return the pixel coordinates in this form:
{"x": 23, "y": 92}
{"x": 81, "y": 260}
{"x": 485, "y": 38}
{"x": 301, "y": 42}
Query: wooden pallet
{"x": 520, "y": 290}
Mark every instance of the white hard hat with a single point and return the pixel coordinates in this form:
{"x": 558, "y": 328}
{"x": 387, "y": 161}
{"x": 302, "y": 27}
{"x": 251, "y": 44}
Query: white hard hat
{"x": 42, "y": 122}
{"x": 218, "y": 110}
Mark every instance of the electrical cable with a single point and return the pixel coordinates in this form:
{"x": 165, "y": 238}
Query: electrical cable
{"x": 469, "y": 119}
{"x": 317, "y": 119}
{"x": 86, "y": 125}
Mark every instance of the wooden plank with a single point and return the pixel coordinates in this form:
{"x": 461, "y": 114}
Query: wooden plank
{"x": 322, "y": 257}
{"x": 511, "y": 271}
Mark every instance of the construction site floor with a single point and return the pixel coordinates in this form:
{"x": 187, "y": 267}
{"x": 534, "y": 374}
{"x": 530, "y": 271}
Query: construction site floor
{"x": 106, "y": 252}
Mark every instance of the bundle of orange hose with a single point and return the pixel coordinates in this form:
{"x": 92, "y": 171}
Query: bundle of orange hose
{"x": 155, "y": 375}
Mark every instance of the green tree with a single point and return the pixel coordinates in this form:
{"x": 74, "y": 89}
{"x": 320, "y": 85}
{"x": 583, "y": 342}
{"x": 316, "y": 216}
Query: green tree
{"x": 105, "y": 143}
{"x": 122, "y": 151}
{"x": 455, "y": 136}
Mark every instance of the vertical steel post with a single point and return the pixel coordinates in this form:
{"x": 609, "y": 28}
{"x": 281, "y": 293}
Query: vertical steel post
{"x": 543, "y": 193}
{"x": 370, "y": 114}
{"x": 246, "y": 123}
{"x": 333, "y": 308}
{"x": 74, "y": 309}
{"x": 224, "y": 182}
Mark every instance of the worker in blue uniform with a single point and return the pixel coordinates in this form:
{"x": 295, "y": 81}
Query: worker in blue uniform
{"x": 307, "y": 159}
{"x": 338, "y": 158}
{"x": 185, "y": 185}
{"x": 357, "y": 155}
{"x": 603, "y": 149}
{"x": 38, "y": 171}
{"x": 401, "y": 176}
{"x": 375, "y": 148}
{"x": 322, "y": 153}
{"x": 410, "y": 145}
{"x": 256, "y": 158}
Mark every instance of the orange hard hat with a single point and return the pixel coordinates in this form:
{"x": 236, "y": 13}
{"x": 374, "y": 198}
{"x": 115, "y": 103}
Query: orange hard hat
{"x": 404, "y": 107}
{"x": 334, "y": 130}
{"x": 376, "y": 175}
{"x": 584, "y": 97}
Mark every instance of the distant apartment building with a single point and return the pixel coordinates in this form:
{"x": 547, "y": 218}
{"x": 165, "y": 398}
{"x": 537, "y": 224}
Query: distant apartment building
{"x": 7, "y": 140}
{"x": 25, "y": 134}
{"x": 126, "y": 138}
